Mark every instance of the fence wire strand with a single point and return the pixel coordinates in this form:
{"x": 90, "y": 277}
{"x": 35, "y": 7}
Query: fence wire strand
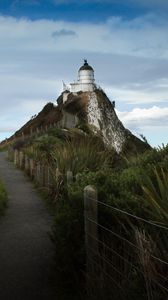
{"x": 112, "y": 279}
{"x": 108, "y": 262}
{"x": 156, "y": 282}
{"x": 124, "y": 239}
{"x": 129, "y": 214}
{"x": 124, "y": 259}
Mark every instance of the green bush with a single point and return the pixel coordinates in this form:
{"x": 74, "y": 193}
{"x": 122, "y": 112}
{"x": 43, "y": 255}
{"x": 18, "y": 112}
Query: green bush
{"x": 157, "y": 157}
{"x": 84, "y": 127}
{"x": 118, "y": 187}
{"x": 68, "y": 238}
{"x": 82, "y": 154}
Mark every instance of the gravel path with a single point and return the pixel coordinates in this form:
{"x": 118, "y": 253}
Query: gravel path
{"x": 26, "y": 252}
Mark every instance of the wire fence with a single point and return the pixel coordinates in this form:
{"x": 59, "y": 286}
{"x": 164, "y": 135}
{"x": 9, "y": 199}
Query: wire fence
{"x": 128, "y": 257}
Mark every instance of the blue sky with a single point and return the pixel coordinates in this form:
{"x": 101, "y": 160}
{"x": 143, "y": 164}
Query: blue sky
{"x": 94, "y": 11}
{"x": 44, "y": 42}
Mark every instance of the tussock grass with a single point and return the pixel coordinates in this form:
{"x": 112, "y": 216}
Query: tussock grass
{"x": 85, "y": 154}
{"x": 156, "y": 194}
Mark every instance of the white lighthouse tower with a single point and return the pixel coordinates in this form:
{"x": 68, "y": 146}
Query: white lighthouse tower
{"x": 86, "y": 81}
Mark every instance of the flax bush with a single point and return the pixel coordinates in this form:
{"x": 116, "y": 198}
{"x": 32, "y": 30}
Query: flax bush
{"x": 82, "y": 154}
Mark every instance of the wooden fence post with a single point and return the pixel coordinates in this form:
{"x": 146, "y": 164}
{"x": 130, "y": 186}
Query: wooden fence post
{"x": 23, "y": 137}
{"x": 31, "y": 167}
{"x": 69, "y": 177}
{"x": 21, "y": 159}
{"x": 26, "y": 163}
{"x": 38, "y": 173}
{"x": 90, "y": 220}
{"x": 15, "y": 156}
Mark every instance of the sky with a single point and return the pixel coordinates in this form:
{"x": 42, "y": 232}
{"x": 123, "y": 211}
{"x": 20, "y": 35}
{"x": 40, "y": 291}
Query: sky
{"x": 43, "y": 42}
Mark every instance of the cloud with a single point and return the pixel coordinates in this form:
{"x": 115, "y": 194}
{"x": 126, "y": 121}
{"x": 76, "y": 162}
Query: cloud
{"x": 63, "y": 33}
{"x": 151, "y": 122}
{"x": 140, "y": 92}
{"x": 154, "y": 116}
{"x": 138, "y": 38}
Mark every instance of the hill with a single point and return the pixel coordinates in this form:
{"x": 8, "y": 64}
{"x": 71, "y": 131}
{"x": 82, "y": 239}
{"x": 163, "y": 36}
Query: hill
{"x": 89, "y": 111}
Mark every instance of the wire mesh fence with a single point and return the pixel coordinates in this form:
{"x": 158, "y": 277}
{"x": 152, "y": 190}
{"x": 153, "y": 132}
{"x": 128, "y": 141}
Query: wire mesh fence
{"x": 132, "y": 256}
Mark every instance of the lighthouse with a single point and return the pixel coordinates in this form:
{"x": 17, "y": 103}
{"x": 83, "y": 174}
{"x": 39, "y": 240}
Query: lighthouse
{"x": 85, "y": 81}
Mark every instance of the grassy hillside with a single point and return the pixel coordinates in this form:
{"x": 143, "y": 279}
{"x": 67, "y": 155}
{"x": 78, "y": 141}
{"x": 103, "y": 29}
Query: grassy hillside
{"x": 75, "y": 113}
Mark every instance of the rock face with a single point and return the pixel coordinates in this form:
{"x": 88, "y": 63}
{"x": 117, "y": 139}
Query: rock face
{"x": 101, "y": 114}
{"x": 95, "y": 109}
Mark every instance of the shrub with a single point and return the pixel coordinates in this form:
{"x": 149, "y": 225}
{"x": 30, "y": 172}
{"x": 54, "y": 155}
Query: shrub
{"x": 156, "y": 194}
{"x": 81, "y": 154}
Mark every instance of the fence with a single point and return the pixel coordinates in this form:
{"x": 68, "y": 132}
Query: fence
{"x": 40, "y": 172}
{"x": 34, "y": 132}
{"x": 126, "y": 255}
{"x": 124, "y": 261}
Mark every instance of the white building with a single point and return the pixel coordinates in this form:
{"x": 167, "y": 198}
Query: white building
{"x": 85, "y": 82}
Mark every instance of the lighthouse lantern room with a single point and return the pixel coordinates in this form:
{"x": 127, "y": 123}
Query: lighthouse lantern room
{"x": 86, "y": 81}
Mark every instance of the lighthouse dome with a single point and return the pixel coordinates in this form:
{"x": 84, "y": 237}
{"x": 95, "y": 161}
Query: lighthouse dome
{"x": 86, "y": 66}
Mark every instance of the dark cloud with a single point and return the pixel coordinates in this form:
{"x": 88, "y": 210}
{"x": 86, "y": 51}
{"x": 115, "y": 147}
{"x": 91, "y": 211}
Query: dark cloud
{"x": 63, "y": 32}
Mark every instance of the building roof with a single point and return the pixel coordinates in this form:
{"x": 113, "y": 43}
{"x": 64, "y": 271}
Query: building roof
{"x": 86, "y": 66}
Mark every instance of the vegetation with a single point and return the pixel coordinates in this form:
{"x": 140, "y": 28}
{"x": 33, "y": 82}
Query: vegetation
{"x": 3, "y": 198}
{"x": 138, "y": 187}
{"x": 136, "y": 184}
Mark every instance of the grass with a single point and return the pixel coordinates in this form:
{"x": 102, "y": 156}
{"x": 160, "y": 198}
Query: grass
{"x": 84, "y": 154}
{"x": 156, "y": 194}
{"x": 3, "y": 198}
{"x": 138, "y": 185}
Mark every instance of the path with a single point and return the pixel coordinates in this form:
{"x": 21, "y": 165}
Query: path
{"x": 26, "y": 252}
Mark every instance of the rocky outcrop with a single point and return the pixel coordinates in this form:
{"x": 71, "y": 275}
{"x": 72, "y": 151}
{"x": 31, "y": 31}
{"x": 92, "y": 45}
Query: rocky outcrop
{"x": 93, "y": 109}
{"x": 101, "y": 114}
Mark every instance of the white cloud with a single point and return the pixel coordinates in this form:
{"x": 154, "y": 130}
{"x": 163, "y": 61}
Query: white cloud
{"x": 153, "y": 116}
{"x": 151, "y": 122}
{"x": 138, "y": 37}
{"x": 140, "y": 93}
